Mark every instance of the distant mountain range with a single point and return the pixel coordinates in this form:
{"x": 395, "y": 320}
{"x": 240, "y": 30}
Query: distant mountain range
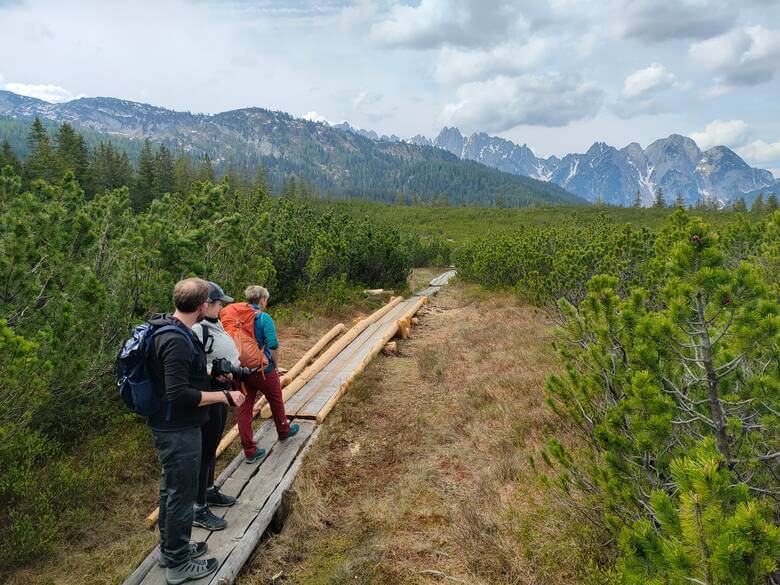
{"x": 675, "y": 164}
{"x": 338, "y": 161}
{"x": 344, "y": 160}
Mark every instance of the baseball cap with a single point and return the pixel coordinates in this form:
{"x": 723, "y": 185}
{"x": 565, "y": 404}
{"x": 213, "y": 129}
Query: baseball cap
{"x": 217, "y": 294}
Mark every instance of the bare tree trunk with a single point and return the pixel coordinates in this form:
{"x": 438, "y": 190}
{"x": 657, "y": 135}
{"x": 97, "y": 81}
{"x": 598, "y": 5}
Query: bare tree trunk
{"x": 716, "y": 411}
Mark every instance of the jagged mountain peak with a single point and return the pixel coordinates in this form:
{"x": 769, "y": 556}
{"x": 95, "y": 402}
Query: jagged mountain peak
{"x": 674, "y": 164}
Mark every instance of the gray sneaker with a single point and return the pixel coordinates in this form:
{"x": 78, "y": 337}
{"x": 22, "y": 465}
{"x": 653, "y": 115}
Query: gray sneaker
{"x": 190, "y": 570}
{"x": 197, "y": 549}
{"x": 205, "y": 518}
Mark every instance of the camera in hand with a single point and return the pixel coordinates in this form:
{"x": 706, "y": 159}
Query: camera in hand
{"x": 223, "y": 366}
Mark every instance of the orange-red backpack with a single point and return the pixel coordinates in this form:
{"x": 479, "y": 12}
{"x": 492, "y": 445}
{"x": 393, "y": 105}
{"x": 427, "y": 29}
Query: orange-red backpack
{"x": 238, "y": 319}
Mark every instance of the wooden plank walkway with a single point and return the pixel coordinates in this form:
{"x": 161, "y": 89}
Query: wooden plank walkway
{"x": 311, "y": 399}
{"x": 259, "y": 487}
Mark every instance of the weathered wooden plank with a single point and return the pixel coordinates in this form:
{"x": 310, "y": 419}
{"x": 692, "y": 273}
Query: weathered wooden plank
{"x": 229, "y": 570}
{"x": 356, "y": 360}
{"x": 265, "y": 437}
{"x": 334, "y": 366}
{"x": 137, "y": 577}
{"x": 332, "y": 352}
{"x": 332, "y": 376}
{"x": 428, "y": 292}
{"x": 255, "y": 495}
{"x": 375, "y": 349}
{"x": 338, "y": 364}
{"x": 443, "y": 279}
{"x": 266, "y": 428}
{"x": 285, "y": 380}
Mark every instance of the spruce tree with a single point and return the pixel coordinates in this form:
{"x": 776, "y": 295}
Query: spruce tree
{"x": 144, "y": 192}
{"x": 41, "y": 162}
{"x": 758, "y": 204}
{"x": 260, "y": 181}
{"x": 8, "y": 157}
{"x": 638, "y": 199}
{"x": 679, "y": 201}
{"x": 205, "y": 171}
{"x": 771, "y": 203}
{"x": 164, "y": 172}
{"x": 740, "y": 205}
{"x": 109, "y": 169}
{"x": 72, "y": 152}
{"x": 183, "y": 173}
{"x": 658, "y": 200}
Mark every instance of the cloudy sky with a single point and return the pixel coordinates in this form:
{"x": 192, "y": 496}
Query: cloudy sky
{"x": 557, "y": 75}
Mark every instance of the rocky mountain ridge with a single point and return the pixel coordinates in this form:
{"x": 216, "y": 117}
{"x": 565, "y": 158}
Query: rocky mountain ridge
{"x": 675, "y": 164}
{"x": 337, "y": 161}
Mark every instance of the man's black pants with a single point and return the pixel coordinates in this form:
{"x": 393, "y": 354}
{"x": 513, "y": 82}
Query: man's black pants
{"x": 179, "y": 454}
{"x": 211, "y": 433}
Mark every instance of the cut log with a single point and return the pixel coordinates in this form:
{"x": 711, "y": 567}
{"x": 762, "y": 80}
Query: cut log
{"x": 375, "y": 349}
{"x": 332, "y": 352}
{"x": 404, "y": 327}
{"x": 391, "y": 347}
{"x": 375, "y": 292}
{"x": 312, "y": 353}
{"x": 285, "y": 380}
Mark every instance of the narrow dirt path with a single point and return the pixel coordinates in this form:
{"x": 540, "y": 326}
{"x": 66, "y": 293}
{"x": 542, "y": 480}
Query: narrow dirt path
{"x": 422, "y": 472}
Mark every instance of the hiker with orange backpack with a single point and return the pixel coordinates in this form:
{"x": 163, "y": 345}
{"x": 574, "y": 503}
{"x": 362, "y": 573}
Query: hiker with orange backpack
{"x": 254, "y": 332}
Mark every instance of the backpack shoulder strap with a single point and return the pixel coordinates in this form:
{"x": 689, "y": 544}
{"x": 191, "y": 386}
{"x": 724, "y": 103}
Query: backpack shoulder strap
{"x": 206, "y": 338}
{"x": 186, "y": 334}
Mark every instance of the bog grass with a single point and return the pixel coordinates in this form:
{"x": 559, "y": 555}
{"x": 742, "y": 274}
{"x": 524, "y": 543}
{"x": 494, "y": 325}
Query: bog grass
{"x": 422, "y": 472}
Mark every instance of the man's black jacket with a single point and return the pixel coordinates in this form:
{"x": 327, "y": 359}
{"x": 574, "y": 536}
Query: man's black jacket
{"x": 180, "y": 373}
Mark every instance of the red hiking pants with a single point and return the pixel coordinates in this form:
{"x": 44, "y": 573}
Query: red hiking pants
{"x": 271, "y": 388}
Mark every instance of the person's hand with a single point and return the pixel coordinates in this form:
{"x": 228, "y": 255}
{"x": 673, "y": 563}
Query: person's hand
{"x": 225, "y": 378}
{"x": 237, "y": 397}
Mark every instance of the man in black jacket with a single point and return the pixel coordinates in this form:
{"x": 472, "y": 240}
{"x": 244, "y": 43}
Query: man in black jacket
{"x": 177, "y": 365}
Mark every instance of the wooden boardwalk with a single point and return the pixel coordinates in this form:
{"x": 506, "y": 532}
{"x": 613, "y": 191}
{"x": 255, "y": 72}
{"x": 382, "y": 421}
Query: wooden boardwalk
{"x": 259, "y": 487}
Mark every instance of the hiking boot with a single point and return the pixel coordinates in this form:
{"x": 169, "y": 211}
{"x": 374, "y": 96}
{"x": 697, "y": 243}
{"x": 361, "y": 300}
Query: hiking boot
{"x": 259, "y": 454}
{"x": 197, "y": 549}
{"x": 205, "y": 518}
{"x": 294, "y": 428}
{"x": 214, "y": 497}
{"x": 190, "y": 570}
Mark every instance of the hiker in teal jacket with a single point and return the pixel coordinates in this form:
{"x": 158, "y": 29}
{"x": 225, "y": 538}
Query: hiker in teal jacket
{"x": 268, "y": 382}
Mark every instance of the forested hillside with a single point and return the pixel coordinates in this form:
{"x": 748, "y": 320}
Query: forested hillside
{"x": 338, "y": 163}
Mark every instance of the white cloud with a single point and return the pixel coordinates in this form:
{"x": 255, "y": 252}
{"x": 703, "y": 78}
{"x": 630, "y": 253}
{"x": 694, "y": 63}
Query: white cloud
{"x": 365, "y": 99}
{"x": 641, "y": 89}
{"x": 45, "y": 91}
{"x": 653, "y": 78}
{"x": 435, "y": 23}
{"x": 359, "y": 13}
{"x": 721, "y": 132}
{"x": 456, "y": 65}
{"x": 316, "y": 117}
{"x": 652, "y": 21}
{"x": 743, "y": 57}
{"x": 760, "y": 151}
{"x": 504, "y": 102}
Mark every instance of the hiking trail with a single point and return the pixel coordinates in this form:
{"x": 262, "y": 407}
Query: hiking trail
{"x": 260, "y": 487}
